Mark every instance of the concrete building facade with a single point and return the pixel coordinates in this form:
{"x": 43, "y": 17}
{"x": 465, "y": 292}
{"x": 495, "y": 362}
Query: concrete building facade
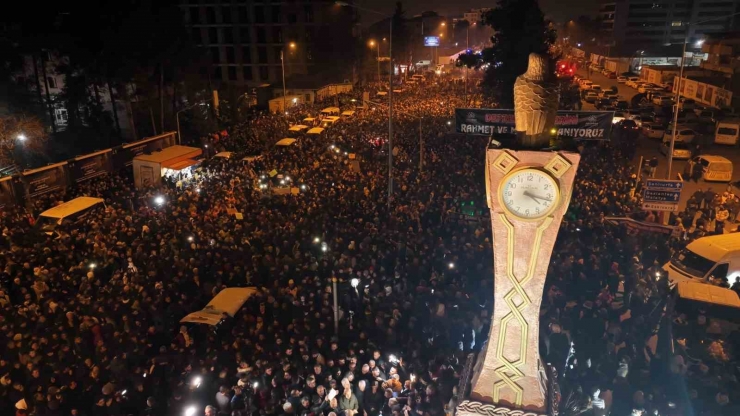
{"x": 245, "y": 38}
{"x": 650, "y": 24}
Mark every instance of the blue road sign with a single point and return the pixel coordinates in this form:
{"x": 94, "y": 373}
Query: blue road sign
{"x": 663, "y": 184}
{"x": 657, "y": 195}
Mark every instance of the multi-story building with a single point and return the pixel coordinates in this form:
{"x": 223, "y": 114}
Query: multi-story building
{"x": 40, "y": 76}
{"x": 475, "y": 15}
{"x": 246, "y": 38}
{"x": 606, "y": 17}
{"x": 651, "y": 24}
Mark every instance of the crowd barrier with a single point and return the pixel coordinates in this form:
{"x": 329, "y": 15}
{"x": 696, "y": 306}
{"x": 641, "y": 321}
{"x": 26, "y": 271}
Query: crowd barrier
{"x": 22, "y": 188}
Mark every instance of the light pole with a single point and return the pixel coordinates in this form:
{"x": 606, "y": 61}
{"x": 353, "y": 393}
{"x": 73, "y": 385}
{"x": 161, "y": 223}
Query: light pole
{"x": 677, "y": 88}
{"x": 421, "y": 139}
{"x": 390, "y": 94}
{"x": 282, "y": 64}
{"x": 177, "y": 117}
{"x": 467, "y": 49}
{"x": 421, "y": 149}
{"x": 372, "y": 43}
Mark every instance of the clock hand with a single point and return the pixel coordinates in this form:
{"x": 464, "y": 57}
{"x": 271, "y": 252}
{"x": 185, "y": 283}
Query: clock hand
{"x": 535, "y": 197}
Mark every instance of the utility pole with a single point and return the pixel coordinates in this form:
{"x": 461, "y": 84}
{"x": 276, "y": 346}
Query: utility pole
{"x": 336, "y": 305}
{"x": 677, "y": 88}
{"x": 390, "y": 116}
{"x": 421, "y": 149}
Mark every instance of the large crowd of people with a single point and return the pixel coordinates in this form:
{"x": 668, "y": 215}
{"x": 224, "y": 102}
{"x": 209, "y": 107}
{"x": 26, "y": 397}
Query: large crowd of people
{"x": 90, "y": 316}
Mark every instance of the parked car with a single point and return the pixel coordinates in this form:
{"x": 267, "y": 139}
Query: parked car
{"x": 710, "y": 115}
{"x": 585, "y": 85}
{"x": 596, "y": 87}
{"x": 662, "y": 100}
{"x": 601, "y": 103}
{"x": 618, "y": 116}
{"x": 643, "y": 88}
{"x": 590, "y": 97}
{"x": 653, "y": 130}
{"x": 640, "y": 119}
{"x": 661, "y": 117}
{"x": 621, "y": 79}
{"x": 611, "y": 75}
{"x": 682, "y": 134}
{"x": 680, "y": 150}
{"x": 627, "y": 124}
{"x": 687, "y": 103}
{"x": 714, "y": 168}
{"x": 632, "y": 82}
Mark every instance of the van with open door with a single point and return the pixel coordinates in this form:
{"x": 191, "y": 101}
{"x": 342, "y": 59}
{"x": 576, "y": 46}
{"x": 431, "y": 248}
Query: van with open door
{"x": 70, "y": 212}
{"x": 714, "y": 168}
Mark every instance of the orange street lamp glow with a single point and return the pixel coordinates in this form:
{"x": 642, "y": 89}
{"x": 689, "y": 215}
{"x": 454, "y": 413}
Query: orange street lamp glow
{"x": 292, "y": 44}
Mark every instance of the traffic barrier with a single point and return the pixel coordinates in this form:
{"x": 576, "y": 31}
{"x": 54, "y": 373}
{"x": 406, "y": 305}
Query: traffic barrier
{"x": 21, "y": 188}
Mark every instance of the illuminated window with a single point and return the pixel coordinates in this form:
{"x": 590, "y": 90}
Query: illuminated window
{"x": 677, "y": 24}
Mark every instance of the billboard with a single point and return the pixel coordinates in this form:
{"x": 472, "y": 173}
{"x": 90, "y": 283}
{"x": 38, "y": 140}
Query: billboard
{"x": 703, "y": 93}
{"x": 431, "y": 40}
{"x": 44, "y": 180}
{"x": 124, "y": 155}
{"x": 86, "y": 167}
{"x": 583, "y": 125}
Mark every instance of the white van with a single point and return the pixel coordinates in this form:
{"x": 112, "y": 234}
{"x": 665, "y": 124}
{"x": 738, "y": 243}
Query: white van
{"x": 70, "y": 212}
{"x": 717, "y": 257}
{"x": 331, "y": 111}
{"x": 727, "y": 132}
{"x": 228, "y": 302}
{"x": 714, "y": 168}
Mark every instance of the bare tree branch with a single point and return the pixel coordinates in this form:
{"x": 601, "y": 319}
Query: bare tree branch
{"x": 20, "y": 130}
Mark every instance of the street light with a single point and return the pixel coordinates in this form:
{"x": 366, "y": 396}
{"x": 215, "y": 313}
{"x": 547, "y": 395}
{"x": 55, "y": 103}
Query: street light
{"x": 282, "y": 64}
{"x": 372, "y": 43}
{"x": 677, "y": 87}
{"x": 22, "y": 137}
{"x": 177, "y": 117}
{"x": 390, "y": 93}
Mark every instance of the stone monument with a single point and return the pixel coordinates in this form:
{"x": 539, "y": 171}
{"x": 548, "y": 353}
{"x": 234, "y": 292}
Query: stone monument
{"x": 528, "y": 191}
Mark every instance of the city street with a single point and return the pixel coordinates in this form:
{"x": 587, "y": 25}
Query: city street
{"x": 649, "y": 148}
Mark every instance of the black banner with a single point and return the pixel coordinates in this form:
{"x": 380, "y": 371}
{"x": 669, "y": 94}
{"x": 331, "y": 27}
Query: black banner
{"x": 44, "y": 180}
{"x": 6, "y": 192}
{"x": 87, "y": 167}
{"x": 124, "y": 155}
{"x": 581, "y": 125}
{"x": 641, "y": 226}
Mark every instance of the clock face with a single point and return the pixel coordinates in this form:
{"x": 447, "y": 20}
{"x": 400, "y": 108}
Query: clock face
{"x": 529, "y": 193}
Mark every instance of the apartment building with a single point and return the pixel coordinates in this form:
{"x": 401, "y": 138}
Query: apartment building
{"x": 651, "y": 24}
{"x": 246, "y": 38}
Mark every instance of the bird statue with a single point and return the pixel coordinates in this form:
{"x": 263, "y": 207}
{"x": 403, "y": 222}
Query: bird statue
{"x": 536, "y": 97}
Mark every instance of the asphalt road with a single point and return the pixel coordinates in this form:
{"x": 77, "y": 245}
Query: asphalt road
{"x": 648, "y": 148}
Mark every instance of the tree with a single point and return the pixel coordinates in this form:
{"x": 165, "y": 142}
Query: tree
{"x": 18, "y": 130}
{"x": 520, "y": 29}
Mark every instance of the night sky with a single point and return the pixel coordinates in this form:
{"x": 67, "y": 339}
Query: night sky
{"x": 557, "y": 10}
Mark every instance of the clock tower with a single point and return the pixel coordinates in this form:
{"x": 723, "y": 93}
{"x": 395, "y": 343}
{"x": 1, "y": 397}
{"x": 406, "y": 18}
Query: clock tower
{"x": 528, "y": 190}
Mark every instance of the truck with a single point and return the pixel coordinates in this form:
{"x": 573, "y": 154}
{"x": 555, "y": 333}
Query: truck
{"x": 710, "y": 258}
{"x": 727, "y": 132}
